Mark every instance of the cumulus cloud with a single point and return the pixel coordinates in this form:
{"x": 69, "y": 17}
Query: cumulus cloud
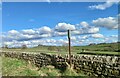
{"x": 27, "y": 34}
{"x": 63, "y": 27}
{"x": 28, "y": 31}
{"x": 44, "y": 30}
{"x": 97, "y": 35}
{"x": 13, "y": 32}
{"x": 73, "y": 38}
{"x": 36, "y": 36}
{"x": 59, "y": 33}
{"x": 33, "y": 43}
{"x": 84, "y": 24}
{"x": 76, "y": 32}
{"x": 105, "y": 5}
{"x": 109, "y": 22}
{"x": 102, "y": 6}
{"x": 93, "y": 30}
{"x": 83, "y": 37}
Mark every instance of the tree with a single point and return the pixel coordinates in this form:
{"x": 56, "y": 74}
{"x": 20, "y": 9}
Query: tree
{"x": 6, "y": 46}
{"x": 40, "y": 45}
{"x": 24, "y": 46}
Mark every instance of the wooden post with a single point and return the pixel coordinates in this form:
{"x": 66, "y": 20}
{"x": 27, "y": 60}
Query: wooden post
{"x": 69, "y": 47}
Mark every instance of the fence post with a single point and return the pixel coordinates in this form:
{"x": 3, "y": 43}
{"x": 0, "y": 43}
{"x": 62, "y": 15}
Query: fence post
{"x": 69, "y": 47}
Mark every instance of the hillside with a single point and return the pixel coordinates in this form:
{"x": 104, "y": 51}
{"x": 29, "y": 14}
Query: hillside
{"x": 113, "y": 47}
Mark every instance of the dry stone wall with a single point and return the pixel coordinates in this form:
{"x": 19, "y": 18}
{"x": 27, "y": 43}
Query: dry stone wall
{"x": 92, "y": 65}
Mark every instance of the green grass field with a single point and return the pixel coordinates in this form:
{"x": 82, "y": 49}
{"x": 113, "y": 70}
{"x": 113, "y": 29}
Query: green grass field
{"x": 104, "y": 48}
{"x": 15, "y": 67}
{"x": 0, "y": 66}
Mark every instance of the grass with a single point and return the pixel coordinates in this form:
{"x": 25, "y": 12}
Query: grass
{"x": 75, "y": 52}
{"x": 0, "y": 66}
{"x": 100, "y": 53}
{"x": 110, "y": 47}
{"x": 105, "y": 48}
{"x": 15, "y": 67}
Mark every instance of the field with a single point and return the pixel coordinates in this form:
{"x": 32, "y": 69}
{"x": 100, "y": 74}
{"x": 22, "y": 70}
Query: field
{"x": 102, "y": 49}
{"x": 15, "y": 67}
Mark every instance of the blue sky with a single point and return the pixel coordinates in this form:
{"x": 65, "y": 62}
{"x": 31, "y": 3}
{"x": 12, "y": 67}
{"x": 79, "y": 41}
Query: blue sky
{"x": 45, "y": 19}
{"x": 18, "y": 15}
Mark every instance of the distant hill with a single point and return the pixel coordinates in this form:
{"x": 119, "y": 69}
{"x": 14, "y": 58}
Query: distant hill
{"x": 109, "y": 47}
{"x": 101, "y": 47}
{"x": 114, "y": 47}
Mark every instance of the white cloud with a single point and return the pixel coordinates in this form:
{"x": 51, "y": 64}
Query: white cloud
{"x": 13, "y": 32}
{"x": 44, "y": 30}
{"x": 83, "y": 37}
{"x": 73, "y": 38}
{"x": 34, "y": 37}
{"x": 59, "y": 33}
{"x": 109, "y": 22}
{"x": 75, "y": 32}
{"x": 62, "y": 41}
{"x": 112, "y": 38}
{"x": 93, "y": 30}
{"x": 84, "y": 24}
{"x": 28, "y": 31}
{"x": 25, "y": 36}
{"x": 103, "y": 6}
{"x": 62, "y": 27}
{"x": 97, "y": 35}
{"x": 45, "y": 35}
{"x": 118, "y": 15}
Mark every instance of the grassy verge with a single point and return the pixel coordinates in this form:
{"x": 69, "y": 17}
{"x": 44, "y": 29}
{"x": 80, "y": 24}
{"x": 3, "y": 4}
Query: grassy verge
{"x": 0, "y": 66}
{"x": 15, "y": 67}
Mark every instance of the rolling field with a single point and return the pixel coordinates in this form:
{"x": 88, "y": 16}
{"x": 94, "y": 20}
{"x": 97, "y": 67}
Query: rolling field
{"x": 15, "y": 67}
{"x": 108, "y": 48}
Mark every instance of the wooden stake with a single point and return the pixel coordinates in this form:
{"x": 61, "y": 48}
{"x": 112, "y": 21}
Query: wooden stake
{"x": 69, "y": 47}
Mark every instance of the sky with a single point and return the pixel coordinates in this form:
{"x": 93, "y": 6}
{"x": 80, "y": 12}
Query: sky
{"x": 46, "y": 23}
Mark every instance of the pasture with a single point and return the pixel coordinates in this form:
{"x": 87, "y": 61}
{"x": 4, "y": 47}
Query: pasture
{"x": 99, "y": 49}
{"x": 15, "y": 67}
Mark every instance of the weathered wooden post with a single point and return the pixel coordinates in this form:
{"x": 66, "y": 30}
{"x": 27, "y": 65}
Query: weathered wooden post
{"x": 69, "y": 47}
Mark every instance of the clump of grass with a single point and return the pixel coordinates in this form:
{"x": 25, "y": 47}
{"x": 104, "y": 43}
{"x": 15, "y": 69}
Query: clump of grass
{"x": 15, "y": 67}
{"x": 71, "y": 72}
{"x": 50, "y": 71}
